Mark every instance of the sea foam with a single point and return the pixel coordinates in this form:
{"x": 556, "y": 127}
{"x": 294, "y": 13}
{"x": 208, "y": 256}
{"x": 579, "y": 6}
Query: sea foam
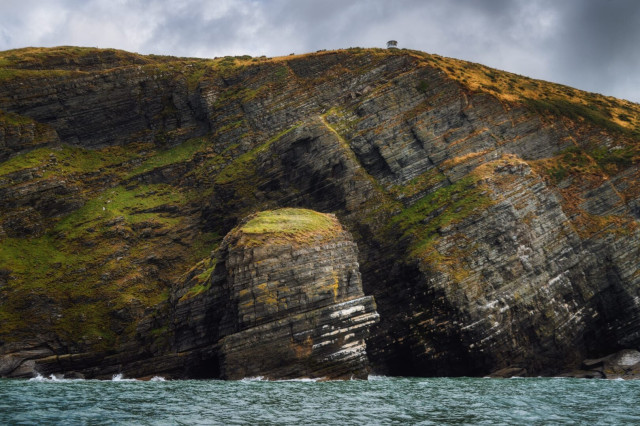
{"x": 120, "y": 378}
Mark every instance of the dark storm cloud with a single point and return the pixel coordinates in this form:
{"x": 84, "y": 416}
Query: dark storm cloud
{"x": 589, "y": 44}
{"x": 598, "y": 47}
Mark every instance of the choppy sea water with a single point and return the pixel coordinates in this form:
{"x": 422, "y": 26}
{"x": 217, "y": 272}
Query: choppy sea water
{"x": 380, "y": 400}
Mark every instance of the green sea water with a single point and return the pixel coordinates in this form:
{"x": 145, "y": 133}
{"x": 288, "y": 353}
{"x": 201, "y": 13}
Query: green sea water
{"x": 379, "y": 400}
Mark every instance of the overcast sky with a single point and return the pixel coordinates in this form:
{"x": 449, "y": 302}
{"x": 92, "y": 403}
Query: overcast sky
{"x": 593, "y": 45}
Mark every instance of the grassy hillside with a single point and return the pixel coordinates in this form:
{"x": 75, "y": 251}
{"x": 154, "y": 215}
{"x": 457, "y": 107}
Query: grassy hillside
{"x": 103, "y": 263}
{"x": 541, "y": 96}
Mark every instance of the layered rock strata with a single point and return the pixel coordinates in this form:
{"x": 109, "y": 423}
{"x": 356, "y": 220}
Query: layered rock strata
{"x": 295, "y": 304}
{"x": 496, "y": 216}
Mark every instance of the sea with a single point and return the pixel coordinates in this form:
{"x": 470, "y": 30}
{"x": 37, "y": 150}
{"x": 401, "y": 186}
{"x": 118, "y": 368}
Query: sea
{"x": 377, "y": 401}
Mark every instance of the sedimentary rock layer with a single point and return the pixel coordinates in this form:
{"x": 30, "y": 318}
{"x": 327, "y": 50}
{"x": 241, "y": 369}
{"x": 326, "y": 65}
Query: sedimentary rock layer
{"x": 294, "y": 303}
{"x": 496, "y": 216}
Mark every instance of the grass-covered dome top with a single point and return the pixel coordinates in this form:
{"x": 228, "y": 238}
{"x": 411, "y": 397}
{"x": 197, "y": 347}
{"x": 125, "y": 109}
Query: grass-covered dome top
{"x": 286, "y": 226}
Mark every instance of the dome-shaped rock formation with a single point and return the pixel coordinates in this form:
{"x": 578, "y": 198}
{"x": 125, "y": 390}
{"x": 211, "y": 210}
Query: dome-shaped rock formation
{"x": 295, "y": 302}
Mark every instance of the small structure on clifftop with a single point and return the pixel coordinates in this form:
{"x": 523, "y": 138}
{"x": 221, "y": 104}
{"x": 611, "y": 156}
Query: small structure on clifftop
{"x": 392, "y": 44}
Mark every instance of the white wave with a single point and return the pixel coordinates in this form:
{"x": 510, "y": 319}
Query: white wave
{"x": 52, "y": 378}
{"x": 374, "y": 377}
{"x": 298, "y": 380}
{"x": 38, "y": 378}
{"x": 120, "y": 378}
{"x": 304, "y": 379}
{"x": 157, "y": 379}
{"x": 253, "y": 379}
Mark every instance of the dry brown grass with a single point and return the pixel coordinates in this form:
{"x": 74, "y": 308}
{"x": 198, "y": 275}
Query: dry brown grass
{"x": 518, "y": 89}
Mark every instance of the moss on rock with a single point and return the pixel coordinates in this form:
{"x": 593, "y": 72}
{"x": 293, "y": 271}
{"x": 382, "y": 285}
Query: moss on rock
{"x": 286, "y": 226}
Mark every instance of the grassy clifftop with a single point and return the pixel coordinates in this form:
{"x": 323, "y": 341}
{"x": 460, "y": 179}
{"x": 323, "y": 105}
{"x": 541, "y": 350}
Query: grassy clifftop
{"x": 541, "y": 96}
{"x": 287, "y": 226}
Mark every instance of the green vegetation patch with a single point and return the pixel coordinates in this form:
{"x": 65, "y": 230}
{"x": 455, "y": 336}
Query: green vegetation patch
{"x": 573, "y": 160}
{"x": 196, "y": 290}
{"x": 418, "y": 184}
{"x": 69, "y": 159}
{"x": 202, "y": 280}
{"x": 593, "y": 113}
{"x": 143, "y": 203}
{"x": 72, "y": 278}
{"x": 8, "y": 74}
{"x": 11, "y": 119}
{"x": 205, "y": 244}
{"x": 47, "y": 57}
{"x": 49, "y": 270}
{"x": 288, "y": 221}
{"x": 196, "y": 72}
{"x": 281, "y": 73}
{"x": 288, "y": 225}
{"x": 32, "y": 255}
{"x": 620, "y": 157}
{"x": 422, "y": 86}
{"x": 578, "y": 160}
{"x": 236, "y": 93}
{"x": 445, "y": 206}
{"x": 242, "y": 166}
{"x": 177, "y": 154}
{"x": 35, "y": 158}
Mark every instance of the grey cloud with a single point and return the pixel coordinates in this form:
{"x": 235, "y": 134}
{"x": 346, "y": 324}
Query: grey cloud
{"x": 598, "y": 47}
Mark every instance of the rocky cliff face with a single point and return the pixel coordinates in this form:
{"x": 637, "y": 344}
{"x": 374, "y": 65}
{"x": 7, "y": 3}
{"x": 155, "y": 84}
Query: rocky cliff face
{"x": 496, "y": 217}
{"x": 295, "y": 304}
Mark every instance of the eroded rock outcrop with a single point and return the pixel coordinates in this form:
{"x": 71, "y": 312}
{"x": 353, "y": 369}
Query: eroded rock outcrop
{"x": 289, "y": 300}
{"x": 296, "y": 306}
{"x": 624, "y": 364}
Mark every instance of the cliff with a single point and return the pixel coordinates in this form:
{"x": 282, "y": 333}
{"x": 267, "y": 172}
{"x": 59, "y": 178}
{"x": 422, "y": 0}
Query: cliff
{"x": 496, "y": 216}
{"x": 295, "y": 303}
